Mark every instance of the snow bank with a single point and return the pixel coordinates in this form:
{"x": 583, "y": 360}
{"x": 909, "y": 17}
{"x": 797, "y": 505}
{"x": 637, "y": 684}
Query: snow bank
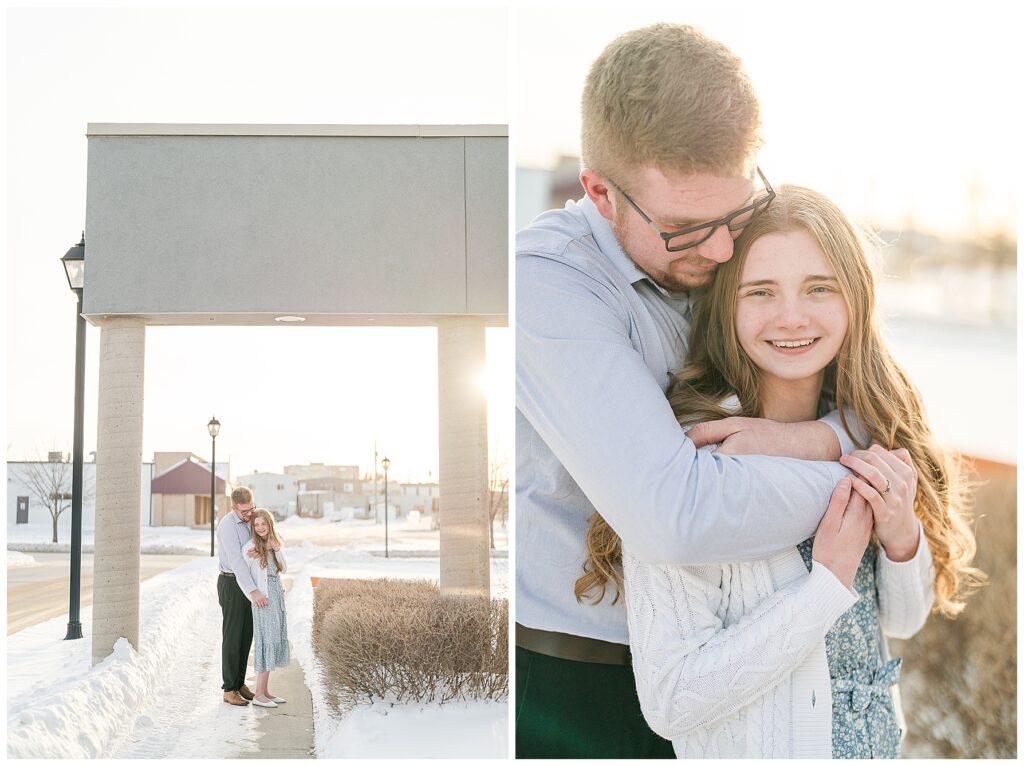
{"x": 16, "y": 560}
{"x": 59, "y": 707}
{"x": 460, "y": 730}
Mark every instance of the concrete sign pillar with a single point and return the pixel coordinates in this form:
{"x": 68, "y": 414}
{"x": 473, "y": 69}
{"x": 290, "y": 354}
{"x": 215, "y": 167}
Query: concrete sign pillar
{"x": 115, "y": 610}
{"x": 462, "y": 421}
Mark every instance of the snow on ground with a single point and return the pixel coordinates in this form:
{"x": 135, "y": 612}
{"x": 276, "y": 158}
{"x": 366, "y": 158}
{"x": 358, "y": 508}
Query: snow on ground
{"x": 59, "y": 707}
{"x": 404, "y": 535}
{"x": 16, "y": 559}
{"x": 165, "y": 700}
{"x": 468, "y": 730}
{"x": 38, "y": 537}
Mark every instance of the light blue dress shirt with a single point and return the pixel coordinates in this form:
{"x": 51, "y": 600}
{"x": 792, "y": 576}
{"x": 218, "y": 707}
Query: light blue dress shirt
{"x": 232, "y": 535}
{"x": 596, "y": 344}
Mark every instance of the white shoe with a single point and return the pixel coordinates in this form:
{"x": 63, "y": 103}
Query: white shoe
{"x": 269, "y": 703}
{"x": 278, "y": 700}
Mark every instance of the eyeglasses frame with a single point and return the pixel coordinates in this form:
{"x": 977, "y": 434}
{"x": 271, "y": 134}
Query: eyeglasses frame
{"x": 712, "y": 226}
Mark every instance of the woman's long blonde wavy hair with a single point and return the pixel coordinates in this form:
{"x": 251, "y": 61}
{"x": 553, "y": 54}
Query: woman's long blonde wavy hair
{"x": 863, "y": 378}
{"x": 261, "y": 544}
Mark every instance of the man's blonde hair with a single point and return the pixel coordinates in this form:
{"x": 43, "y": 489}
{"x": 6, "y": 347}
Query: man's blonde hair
{"x": 669, "y": 97}
{"x": 241, "y": 496}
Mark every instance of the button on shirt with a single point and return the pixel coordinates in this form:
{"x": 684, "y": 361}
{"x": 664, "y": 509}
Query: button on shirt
{"x": 596, "y": 345}
{"x": 232, "y": 534}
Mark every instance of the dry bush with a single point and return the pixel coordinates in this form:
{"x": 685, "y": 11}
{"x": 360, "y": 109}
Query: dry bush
{"x": 403, "y": 641}
{"x": 959, "y": 676}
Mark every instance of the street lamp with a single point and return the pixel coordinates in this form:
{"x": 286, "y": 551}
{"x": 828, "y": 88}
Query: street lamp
{"x": 74, "y": 269}
{"x": 386, "y": 463}
{"x": 214, "y": 428}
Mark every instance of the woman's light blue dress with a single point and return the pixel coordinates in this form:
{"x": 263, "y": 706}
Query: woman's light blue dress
{"x": 864, "y": 721}
{"x": 270, "y": 626}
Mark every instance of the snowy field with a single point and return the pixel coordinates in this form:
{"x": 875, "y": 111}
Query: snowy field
{"x": 405, "y": 535}
{"x": 165, "y": 701}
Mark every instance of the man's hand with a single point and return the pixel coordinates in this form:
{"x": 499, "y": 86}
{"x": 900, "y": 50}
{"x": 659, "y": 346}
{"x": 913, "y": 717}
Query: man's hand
{"x": 758, "y": 436}
{"x": 258, "y": 599}
{"x": 251, "y": 553}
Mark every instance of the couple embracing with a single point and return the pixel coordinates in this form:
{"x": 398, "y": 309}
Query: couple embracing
{"x": 251, "y": 600}
{"x": 728, "y": 493}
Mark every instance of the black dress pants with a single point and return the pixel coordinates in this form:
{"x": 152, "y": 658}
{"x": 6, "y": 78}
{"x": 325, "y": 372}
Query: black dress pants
{"x": 235, "y": 632}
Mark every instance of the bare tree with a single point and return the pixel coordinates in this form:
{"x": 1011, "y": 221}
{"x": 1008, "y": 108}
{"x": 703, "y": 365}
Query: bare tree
{"x": 497, "y": 496}
{"x": 51, "y": 484}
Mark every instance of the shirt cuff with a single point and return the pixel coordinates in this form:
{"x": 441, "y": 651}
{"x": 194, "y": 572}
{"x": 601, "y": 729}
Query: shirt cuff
{"x": 846, "y": 444}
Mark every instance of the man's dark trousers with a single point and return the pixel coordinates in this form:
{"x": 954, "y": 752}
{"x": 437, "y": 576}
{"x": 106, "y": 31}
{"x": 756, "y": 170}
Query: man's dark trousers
{"x": 235, "y": 632}
{"x": 569, "y": 709}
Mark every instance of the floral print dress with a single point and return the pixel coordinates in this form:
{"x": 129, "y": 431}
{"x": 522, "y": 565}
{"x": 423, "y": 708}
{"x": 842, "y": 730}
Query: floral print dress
{"x": 270, "y": 626}
{"x": 864, "y": 723}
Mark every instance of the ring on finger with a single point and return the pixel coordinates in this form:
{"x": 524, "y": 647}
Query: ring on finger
{"x": 888, "y": 488}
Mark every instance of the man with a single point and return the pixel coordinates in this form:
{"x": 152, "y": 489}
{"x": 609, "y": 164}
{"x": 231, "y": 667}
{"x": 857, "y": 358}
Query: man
{"x": 670, "y": 129}
{"x": 235, "y": 580}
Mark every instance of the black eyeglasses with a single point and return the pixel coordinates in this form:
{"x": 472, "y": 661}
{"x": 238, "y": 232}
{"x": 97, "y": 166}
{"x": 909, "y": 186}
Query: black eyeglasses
{"x": 692, "y": 236}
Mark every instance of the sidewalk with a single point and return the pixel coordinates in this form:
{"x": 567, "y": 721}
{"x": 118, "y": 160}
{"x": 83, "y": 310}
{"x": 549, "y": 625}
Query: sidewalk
{"x": 287, "y": 730}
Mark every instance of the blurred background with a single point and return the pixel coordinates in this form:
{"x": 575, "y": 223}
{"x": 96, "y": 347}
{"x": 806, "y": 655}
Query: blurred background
{"x": 906, "y": 118}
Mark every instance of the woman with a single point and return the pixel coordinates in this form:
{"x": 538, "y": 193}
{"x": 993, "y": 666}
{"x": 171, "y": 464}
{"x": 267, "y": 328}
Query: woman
{"x": 270, "y": 626}
{"x": 786, "y": 657}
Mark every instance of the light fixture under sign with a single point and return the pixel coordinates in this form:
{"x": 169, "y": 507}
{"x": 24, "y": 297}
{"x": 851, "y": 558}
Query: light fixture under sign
{"x": 289, "y": 319}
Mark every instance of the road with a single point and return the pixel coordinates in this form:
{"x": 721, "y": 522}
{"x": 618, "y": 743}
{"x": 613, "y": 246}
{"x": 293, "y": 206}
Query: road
{"x": 37, "y": 593}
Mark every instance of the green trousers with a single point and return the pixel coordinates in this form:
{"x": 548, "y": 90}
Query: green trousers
{"x": 567, "y": 709}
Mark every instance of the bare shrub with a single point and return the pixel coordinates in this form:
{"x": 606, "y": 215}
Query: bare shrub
{"x": 959, "y": 676}
{"x": 403, "y": 641}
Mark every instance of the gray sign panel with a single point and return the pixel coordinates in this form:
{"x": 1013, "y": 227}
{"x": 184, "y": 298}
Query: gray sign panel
{"x": 340, "y": 229}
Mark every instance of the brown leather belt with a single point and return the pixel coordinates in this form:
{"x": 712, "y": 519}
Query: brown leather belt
{"x": 568, "y": 647}
{"x": 227, "y": 574}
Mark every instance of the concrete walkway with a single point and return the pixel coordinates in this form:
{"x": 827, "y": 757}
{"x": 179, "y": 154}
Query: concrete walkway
{"x": 287, "y": 730}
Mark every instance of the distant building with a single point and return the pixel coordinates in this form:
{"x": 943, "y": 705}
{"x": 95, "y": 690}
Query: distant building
{"x": 181, "y": 490}
{"x": 277, "y": 492}
{"x": 321, "y": 471}
{"x": 24, "y": 506}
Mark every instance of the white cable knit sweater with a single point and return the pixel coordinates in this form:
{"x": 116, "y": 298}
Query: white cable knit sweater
{"x": 730, "y": 659}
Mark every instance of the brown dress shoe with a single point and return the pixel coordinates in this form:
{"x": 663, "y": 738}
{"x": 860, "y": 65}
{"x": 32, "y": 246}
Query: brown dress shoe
{"x": 244, "y": 691}
{"x": 234, "y": 698}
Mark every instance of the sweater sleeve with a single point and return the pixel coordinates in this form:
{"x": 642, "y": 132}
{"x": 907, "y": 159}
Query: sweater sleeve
{"x": 253, "y": 566}
{"x": 691, "y": 670}
{"x": 905, "y": 593}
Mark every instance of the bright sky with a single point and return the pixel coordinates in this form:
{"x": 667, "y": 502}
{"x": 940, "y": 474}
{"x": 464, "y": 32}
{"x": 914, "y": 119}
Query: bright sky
{"x": 283, "y": 395}
{"x": 899, "y": 111}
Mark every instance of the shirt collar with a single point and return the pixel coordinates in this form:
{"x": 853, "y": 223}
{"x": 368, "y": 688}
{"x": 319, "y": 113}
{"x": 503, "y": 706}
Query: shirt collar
{"x": 608, "y": 244}
{"x": 612, "y": 250}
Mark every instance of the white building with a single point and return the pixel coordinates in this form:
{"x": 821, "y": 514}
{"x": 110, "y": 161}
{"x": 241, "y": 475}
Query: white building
{"x": 274, "y": 491}
{"x": 25, "y": 506}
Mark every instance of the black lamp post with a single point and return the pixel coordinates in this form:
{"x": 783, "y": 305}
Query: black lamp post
{"x": 74, "y": 269}
{"x": 214, "y": 428}
{"x": 386, "y": 463}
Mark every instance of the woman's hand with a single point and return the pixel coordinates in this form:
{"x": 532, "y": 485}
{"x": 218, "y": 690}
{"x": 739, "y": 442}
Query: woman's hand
{"x": 274, "y": 546}
{"x": 843, "y": 533}
{"x": 888, "y": 481}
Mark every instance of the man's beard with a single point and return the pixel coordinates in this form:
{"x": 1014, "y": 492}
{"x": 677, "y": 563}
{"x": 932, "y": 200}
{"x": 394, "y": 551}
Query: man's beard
{"x": 674, "y": 283}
